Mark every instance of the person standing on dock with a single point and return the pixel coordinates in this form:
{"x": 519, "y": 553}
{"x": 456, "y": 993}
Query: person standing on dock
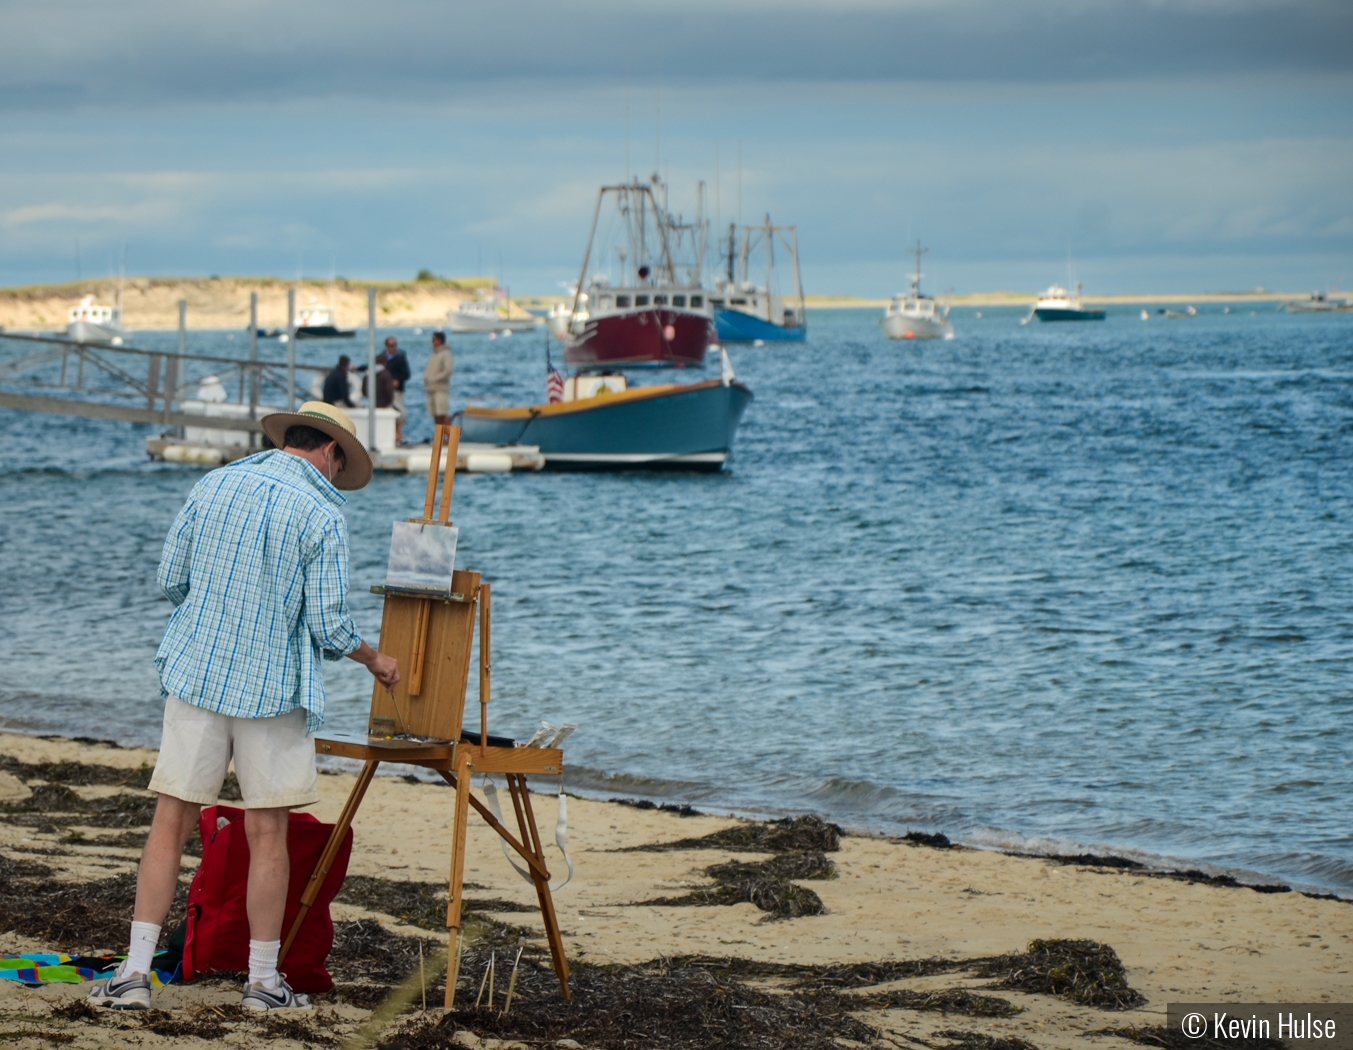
{"x": 385, "y": 383}
{"x": 437, "y": 379}
{"x": 336, "y": 388}
{"x": 256, "y": 567}
{"x": 397, "y": 361}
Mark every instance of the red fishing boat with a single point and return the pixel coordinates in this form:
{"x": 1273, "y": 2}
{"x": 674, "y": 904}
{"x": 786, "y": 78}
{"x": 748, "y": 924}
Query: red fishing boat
{"x": 650, "y": 308}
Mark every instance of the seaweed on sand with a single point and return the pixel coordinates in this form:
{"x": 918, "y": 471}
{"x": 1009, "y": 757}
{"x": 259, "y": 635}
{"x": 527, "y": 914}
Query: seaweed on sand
{"x": 980, "y": 1041}
{"x": 421, "y": 904}
{"x": 1167, "y": 1038}
{"x": 77, "y": 773}
{"x": 685, "y": 809}
{"x": 1085, "y": 972}
{"x": 663, "y": 1004}
{"x": 789, "y": 835}
{"x": 769, "y": 885}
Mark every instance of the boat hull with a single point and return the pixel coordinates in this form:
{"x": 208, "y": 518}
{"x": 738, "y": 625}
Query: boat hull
{"x": 1061, "y": 313}
{"x": 734, "y": 326}
{"x": 899, "y": 326}
{"x": 469, "y": 325}
{"x": 324, "y": 331}
{"x": 92, "y": 332}
{"x": 644, "y": 337}
{"x": 680, "y": 427}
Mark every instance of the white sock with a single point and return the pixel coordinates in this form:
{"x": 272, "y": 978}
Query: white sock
{"x": 263, "y": 963}
{"x": 145, "y": 935}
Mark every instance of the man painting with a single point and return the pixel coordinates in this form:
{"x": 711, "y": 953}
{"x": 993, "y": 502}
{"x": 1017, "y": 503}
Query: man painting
{"x": 256, "y": 565}
{"x": 437, "y": 379}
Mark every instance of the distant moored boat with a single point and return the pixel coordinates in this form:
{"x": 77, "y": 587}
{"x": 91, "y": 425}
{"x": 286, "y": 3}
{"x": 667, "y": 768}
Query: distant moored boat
{"x": 916, "y": 316}
{"x": 1057, "y": 304}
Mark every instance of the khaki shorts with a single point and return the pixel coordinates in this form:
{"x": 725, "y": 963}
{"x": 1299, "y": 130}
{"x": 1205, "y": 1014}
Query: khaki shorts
{"x": 439, "y": 403}
{"x": 397, "y": 402}
{"x": 274, "y": 757}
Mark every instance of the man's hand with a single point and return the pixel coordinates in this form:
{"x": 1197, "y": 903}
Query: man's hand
{"x": 384, "y": 668}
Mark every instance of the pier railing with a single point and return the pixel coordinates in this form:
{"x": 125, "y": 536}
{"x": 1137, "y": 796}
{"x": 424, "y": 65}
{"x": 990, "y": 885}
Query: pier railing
{"x": 103, "y": 381}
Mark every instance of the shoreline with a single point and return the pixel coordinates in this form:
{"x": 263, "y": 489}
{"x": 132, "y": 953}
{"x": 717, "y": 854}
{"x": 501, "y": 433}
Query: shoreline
{"x": 1063, "y": 850}
{"x": 878, "y": 941}
{"x": 222, "y": 303}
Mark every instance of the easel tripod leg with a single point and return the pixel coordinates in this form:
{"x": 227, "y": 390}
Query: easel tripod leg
{"x": 526, "y": 818}
{"x": 331, "y": 848}
{"x": 453, "y": 904}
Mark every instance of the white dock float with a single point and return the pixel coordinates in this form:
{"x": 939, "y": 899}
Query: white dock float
{"x": 470, "y": 458}
{"x": 413, "y": 459}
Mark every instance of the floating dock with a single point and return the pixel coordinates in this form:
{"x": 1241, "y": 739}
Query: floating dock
{"x": 471, "y": 458}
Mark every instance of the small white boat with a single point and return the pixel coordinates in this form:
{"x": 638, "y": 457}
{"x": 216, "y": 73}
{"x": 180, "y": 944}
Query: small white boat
{"x": 1318, "y": 303}
{"x": 483, "y": 315}
{"x": 916, "y": 316}
{"x": 92, "y": 322}
{"x": 1058, "y": 304}
{"x": 317, "y": 322}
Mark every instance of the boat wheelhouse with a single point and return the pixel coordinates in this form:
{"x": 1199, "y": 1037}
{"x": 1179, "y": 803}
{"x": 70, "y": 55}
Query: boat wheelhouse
{"x": 91, "y": 322}
{"x": 656, "y": 312}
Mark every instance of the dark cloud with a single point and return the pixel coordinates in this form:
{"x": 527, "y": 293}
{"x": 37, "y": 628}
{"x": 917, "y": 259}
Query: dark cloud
{"x": 62, "y": 52}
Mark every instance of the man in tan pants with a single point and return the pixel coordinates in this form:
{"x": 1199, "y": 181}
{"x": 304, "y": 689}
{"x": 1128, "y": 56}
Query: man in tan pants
{"x": 437, "y": 379}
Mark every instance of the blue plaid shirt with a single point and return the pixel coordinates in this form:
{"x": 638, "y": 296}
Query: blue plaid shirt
{"x": 256, "y": 564}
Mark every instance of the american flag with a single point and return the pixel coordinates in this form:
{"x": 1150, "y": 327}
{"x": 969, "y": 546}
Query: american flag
{"x": 554, "y": 386}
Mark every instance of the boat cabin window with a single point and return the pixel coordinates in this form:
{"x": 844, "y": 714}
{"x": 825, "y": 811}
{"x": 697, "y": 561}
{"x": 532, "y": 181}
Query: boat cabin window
{"x": 641, "y": 300}
{"x": 678, "y": 300}
{"x": 622, "y": 300}
{"x": 660, "y": 300}
{"x": 738, "y": 302}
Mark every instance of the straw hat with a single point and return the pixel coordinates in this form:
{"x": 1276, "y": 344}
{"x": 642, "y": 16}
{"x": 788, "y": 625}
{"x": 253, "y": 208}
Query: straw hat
{"x": 331, "y": 420}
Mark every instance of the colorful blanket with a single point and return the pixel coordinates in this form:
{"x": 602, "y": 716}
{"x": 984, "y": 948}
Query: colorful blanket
{"x": 37, "y": 968}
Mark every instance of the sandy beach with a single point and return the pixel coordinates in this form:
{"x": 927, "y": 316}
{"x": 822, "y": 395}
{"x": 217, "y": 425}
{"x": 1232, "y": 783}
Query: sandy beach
{"x": 223, "y": 302}
{"x": 915, "y": 933}
{"x": 219, "y": 303}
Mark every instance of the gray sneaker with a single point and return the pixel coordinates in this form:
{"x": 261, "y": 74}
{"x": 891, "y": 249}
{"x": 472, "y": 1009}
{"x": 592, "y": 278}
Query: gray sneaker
{"x": 130, "y": 992}
{"x": 256, "y": 997}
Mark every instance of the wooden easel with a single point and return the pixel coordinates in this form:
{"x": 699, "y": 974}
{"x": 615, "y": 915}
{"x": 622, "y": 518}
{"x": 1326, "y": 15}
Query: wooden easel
{"x": 419, "y": 724}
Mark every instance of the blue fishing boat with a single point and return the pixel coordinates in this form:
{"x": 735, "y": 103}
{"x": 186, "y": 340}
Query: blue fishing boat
{"x": 745, "y": 312}
{"x": 603, "y": 424}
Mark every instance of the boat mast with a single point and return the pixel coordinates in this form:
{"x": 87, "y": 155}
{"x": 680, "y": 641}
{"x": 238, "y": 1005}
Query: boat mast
{"x": 770, "y": 263}
{"x": 587, "y": 255}
{"x": 918, "y": 251}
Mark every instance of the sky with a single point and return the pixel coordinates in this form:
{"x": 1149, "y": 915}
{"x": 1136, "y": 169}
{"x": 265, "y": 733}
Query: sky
{"x": 1146, "y": 145}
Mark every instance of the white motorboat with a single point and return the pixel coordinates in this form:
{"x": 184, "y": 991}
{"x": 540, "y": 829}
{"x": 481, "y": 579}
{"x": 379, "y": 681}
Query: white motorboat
{"x": 916, "y": 316}
{"x": 484, "y": 315}
{"x": 317, "y": 322}
{"x": 1058, "y": 304}
{"x": 1318, "y": 303}
{"x": 92, "y": 322}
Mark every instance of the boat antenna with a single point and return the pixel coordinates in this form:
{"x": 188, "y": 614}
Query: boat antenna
{"x": 627, "y": 129}
{"x": 657, "y": 133}
{"x": 739, "y": 182}
{"x": 918, "y": 251}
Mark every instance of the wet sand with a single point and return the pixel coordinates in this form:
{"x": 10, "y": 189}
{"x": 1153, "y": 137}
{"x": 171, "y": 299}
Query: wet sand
{"x": 890, "y": 901}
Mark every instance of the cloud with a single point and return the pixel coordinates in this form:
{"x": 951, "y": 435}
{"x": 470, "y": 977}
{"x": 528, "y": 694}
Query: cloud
{"x": 411, "y": 51}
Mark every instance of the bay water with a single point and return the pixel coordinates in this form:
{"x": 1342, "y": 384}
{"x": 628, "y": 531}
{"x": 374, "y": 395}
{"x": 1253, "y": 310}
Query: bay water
{"x": 1045, "y": 587}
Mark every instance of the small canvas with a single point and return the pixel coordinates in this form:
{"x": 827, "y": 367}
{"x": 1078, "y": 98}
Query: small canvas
{"x": 422, "y": 557}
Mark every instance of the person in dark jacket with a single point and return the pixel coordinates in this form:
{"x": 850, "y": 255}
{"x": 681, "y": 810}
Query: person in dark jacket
{"x": 385, "y": 383}
{"x": 397, "y": 362}
{"x": 336, "y": 389}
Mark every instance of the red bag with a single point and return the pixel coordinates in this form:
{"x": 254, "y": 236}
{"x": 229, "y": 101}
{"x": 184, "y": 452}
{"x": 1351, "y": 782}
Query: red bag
{"x": 218, "y": 926}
